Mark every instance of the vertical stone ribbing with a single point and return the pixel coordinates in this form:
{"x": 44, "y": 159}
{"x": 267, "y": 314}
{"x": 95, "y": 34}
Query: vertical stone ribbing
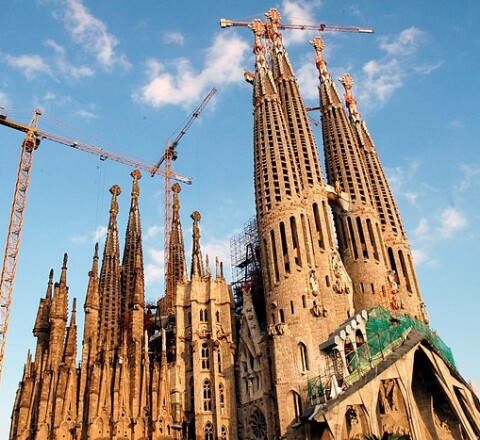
{"x": 109, "y": 283}
{"x": 401, "y": 275}
{"x": 295, "y": 115}
{"x": 292, "y": 212}
{"x": 358, "y": 228}
{"x": 133, "y": 245}
{"x": 176, "y": 264}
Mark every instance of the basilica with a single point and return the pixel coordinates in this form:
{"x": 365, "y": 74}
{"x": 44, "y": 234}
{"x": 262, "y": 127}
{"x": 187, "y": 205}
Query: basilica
{"x": 325, "y": 337}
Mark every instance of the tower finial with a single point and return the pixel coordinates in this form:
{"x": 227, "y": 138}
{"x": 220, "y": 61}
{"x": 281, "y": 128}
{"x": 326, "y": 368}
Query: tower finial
{"x": 115, "y": 191}
{"x": 272, "y": 32}
{"x": 197, "y": 262}
{"x": 136, "y": 175}
{"x": 176, "y": 188}
{"x": 258, "y": 47}
{"x": 347, "y": 82}
{"x": 320, "y": 61}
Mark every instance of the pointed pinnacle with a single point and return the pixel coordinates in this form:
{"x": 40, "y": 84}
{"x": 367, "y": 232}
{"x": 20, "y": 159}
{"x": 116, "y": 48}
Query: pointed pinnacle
{"x": 73, "y": 318}
{"x": 63, "y": 276}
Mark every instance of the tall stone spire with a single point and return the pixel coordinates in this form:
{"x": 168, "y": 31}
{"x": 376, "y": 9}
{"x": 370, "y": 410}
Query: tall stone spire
{"x": 301, "y": 305}
{"x": 58, "y": 317}
{"x": 358, "y": 230}
{"x": 41, "y": 329}
{"x": 90, "y": 334}
{"x": 176, "y": 264}
{"x": 109, "y": 283}
{"x": 197, "y": 260}
{"x": 70, "y": 352}
{"x": 399, "y": 257}
{"x": 133, "y": 245}
{"x": 296, "y": 118}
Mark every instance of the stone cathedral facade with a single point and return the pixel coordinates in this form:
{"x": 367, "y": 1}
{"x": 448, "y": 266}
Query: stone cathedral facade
{"x": 330, "y": 342}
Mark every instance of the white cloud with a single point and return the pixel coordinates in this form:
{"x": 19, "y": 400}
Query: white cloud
{"x": 456, "y": 124}
{"x": 423, "y": 229}
{"x": 380, "y": 78}
{"x": 63, "y": 66}
{"x": 85, "y": 114}
{"x": 33, "y": 65}
{"x": 4, "y": 100}
{"x": 153, "y": 231}
{"x": 398, "y": 176}
{"x": 298, "y": 12}
{"x": 404, "y": 44}
{"x": 155, "y": 268}
{"x": 451, "y": 221}
{"x": 100, "y": 233}
{"x": 172, "y": 37}
{"x": 30, "y": 65}
{"x": 223, "y": 65}
{"x": 96, "y": 236}
{"x": 419, "y": 256}
{"x": 470, "y": 174}
{"x": 426, "y": 69}
{"x": 90, "y": 32}
{"x": 307, "y": 76}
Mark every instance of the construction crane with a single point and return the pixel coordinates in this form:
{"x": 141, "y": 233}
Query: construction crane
{"x": 14, "y": 235}
{"x": 167, "y": 158}
{"x": 273, "y": 13}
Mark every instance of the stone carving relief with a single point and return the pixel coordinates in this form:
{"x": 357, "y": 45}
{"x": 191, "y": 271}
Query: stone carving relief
{"x": 392, "y": 281}
{"x": 355, "y": 422}
{"x": 342, "y": 284}
{"x": 393, "y": 417}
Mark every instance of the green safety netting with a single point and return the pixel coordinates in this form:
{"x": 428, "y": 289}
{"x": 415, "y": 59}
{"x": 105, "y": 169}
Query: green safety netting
{"x": 385, "y": 332}
{"x": 383, "y": 329}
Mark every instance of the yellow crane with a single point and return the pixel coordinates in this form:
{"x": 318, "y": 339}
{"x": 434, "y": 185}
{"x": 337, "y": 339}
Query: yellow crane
{"x": 30, "y": 144}
{"x": 167, "y": 158}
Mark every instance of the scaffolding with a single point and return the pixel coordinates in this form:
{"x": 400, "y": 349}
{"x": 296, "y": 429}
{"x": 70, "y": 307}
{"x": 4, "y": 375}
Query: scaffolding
{"x": 385, "y": 333}
{"x": 246, "y": 269}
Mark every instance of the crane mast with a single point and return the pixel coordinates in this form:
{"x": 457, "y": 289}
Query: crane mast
{"x": 168, "y": 157}
{"x": 14, "y": 234}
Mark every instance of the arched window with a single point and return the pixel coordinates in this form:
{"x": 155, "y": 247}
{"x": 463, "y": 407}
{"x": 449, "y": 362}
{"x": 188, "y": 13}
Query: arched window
{"x": 221, "y": 397}
{"x": 207, "y": 395}
{"x": 302, "y": 351}
{"x": 205, "y": 356}
{"x": 203, "y": 315}
{"x": 224, "y": 433}
{"x": 297, "y": 405}
{"x": 208, "y": 431}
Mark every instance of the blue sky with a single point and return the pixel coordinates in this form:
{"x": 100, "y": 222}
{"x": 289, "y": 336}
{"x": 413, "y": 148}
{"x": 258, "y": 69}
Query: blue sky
{"x": 125, "y": 76}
